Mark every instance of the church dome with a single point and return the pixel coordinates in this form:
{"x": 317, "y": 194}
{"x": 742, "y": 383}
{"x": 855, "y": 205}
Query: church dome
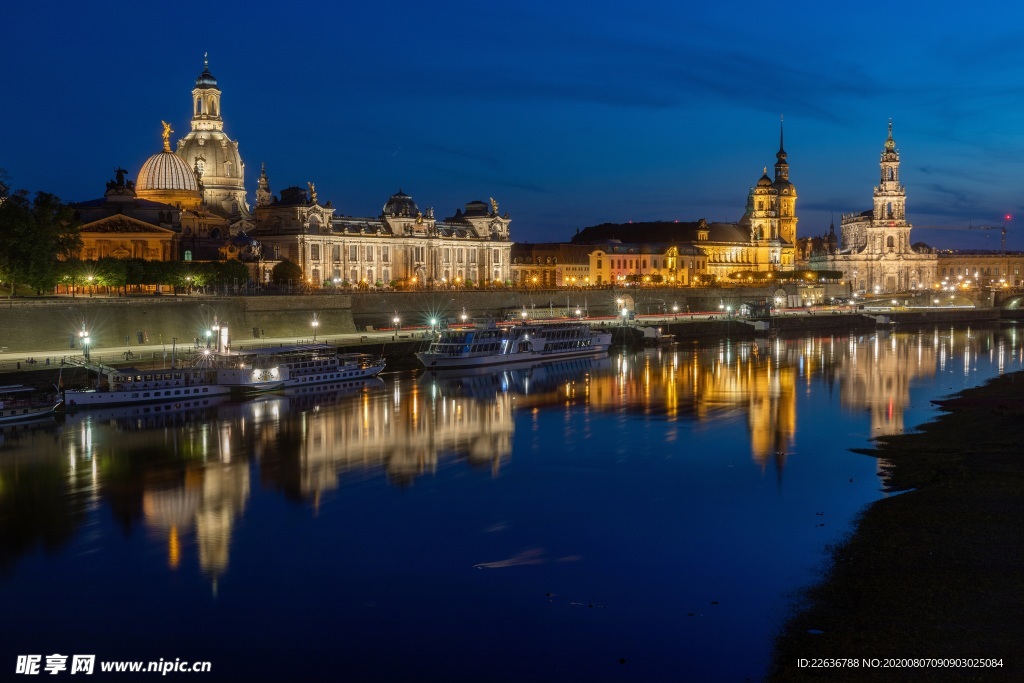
{"x": 765, "y": 181}
{"x": 166, "y": 171}
{"x": 401, "y": 205}
{"x": 206, "y": 79}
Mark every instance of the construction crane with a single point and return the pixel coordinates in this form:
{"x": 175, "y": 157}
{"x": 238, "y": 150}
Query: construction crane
{"x": 1001, "y": 228}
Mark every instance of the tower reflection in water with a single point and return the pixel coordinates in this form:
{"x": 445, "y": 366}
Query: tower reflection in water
{"x": 185, "y": 473}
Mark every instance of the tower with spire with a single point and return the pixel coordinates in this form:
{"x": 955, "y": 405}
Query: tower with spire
{"x": 889, "y": 232}
{"x": 786, "y": 193}
{"x": 877, "y": 255}
{"x": 214, "y": 156}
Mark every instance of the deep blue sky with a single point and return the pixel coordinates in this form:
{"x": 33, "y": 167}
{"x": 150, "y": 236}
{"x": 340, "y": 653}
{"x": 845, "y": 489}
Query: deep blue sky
{"x": 568, "y": 113}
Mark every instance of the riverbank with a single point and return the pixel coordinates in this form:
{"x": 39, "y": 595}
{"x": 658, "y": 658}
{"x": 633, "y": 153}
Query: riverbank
{"x": 936, "y": 571}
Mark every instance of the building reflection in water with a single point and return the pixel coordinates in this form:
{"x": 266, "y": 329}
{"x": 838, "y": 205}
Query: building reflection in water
{"x": 184, "y": 472}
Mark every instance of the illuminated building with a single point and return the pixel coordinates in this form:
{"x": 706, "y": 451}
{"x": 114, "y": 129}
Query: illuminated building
{"x": 763, "y": 240}
{"x": 876, "y": 254}
{"x": 403, "y": 245}
{"x": 214, "y": 156}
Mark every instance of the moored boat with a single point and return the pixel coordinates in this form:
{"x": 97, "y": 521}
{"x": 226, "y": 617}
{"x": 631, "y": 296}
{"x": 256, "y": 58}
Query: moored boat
{"x": 19, "y": 403}
{"x": 127, "y": 386}
{"x": 305, "y": 365}
{"x": 488, "y": 344}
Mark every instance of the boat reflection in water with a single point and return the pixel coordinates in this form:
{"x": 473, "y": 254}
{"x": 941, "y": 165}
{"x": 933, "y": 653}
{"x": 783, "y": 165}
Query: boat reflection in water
{"x": 183, "y": 469}
{"x": 532, "y": 380}
{"x": 597, "y": 481}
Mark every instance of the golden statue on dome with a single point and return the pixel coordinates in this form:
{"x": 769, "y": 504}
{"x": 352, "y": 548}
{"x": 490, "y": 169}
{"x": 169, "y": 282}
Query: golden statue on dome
{"x": 167, "y": 136}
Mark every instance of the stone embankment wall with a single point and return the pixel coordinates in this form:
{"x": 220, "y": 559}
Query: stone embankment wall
{"x": 30, "y": 325}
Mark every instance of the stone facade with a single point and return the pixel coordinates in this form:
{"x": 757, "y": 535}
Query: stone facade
{"x": 980, "y": 269}
{"x": 214, "y": 156}
{"x": 403, "y": 247}
{"x": 876, "y": 254}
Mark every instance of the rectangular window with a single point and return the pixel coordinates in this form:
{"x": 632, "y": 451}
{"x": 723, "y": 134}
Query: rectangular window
{"x": 447, "y": 255}
{"x": 472, "y": 255}
{"x": 314, "y": 252}
{"x": 369, "y": 253}
{"x": 353, "y": 253}
{"x": 336, "y": 253}
{"x": 384, "y": 254}
{"x": 458, "y": 255}
{"x": 418, "y": 253}
{"x": 497, "y": 256}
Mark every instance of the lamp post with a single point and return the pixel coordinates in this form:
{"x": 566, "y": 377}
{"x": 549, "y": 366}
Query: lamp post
{"x": 396, "y": 320}
{"x": 316, "y": 324}
{"x": 675, "y": 311}
{"x": 85, "y": 340}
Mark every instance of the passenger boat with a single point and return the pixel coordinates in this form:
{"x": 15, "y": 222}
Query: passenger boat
{"x": 128, "y": 386}
{"x": 489, "y": 344}
{"x": 309, "y": 364}
{"x": 22, "y": 404}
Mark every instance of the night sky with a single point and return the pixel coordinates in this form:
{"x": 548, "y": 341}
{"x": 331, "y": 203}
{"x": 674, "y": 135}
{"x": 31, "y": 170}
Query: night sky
{"x": 568, "y": 113}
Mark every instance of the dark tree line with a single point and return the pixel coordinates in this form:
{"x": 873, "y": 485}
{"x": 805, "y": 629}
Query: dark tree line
{"x": 39, "y": 237}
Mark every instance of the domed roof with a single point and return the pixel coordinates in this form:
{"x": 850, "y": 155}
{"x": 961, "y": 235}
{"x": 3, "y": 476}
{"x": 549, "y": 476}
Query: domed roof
{"x": 785, "y": 187}
{"x": 765, "y": 181}
{"x": 166, "y": 171}
{"x": 206, "y": 79}
{"x": 401, "y": 205}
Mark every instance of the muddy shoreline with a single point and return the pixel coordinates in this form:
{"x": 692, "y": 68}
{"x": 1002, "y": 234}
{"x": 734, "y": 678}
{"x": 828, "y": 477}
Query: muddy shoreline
{"x": 936, "y": 571}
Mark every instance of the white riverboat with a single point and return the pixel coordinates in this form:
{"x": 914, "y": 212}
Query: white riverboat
{"x": 23, "y": 404}
{"x": 306, "y": 365}
{"x": 490, "y": 344}
{"x": 128, "y": 386}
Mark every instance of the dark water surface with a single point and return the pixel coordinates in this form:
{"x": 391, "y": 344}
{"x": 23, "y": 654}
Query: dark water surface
{"x": 645, "y": 517}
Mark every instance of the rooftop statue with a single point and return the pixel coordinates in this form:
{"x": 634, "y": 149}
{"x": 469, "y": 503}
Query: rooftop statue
{"x": 167, "y": 136}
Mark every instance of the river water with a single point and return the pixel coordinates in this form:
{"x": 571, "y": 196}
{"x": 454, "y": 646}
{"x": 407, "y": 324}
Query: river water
{"x": 644, "y": 517}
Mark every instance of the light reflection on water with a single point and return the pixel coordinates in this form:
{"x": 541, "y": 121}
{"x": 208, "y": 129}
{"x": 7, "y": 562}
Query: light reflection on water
{"x": 656, "y": 507}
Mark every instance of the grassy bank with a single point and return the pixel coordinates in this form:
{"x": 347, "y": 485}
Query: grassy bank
{"x": 937, "y": 571}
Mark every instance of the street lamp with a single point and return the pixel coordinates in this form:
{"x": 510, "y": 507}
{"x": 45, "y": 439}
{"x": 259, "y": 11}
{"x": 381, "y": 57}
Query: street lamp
{"x": 85, "y": 340}
{"x": 396, "y": 320}
{"x": 316, "y": 324}
{"x": 675, "y": 310}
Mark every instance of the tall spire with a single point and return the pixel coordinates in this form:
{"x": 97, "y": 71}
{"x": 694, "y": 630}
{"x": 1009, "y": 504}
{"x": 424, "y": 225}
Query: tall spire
{"x": 782, "y": 148}
{"x": 890, "y": 144}
{"x": 781, "y": 165}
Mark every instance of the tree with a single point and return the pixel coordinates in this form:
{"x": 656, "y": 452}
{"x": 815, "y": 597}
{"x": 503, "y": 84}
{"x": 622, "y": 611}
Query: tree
{"x": 230, "y": 272}
{"x": 285, "y": 272}
{"x": 34, "y": 234}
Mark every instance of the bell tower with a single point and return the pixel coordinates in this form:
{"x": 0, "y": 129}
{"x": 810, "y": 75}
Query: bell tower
{"x": 787, "y": 194}
{"x": 206, "y": 101}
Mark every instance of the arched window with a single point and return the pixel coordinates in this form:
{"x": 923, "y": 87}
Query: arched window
{"x": 890, "y": 242}
{"x": 199, "y": 106}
